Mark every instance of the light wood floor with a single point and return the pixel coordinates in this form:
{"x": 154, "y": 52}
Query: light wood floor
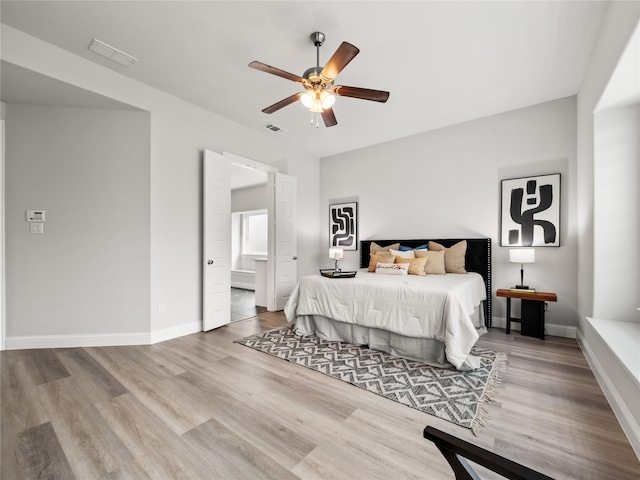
{"x": 203, "y": 407}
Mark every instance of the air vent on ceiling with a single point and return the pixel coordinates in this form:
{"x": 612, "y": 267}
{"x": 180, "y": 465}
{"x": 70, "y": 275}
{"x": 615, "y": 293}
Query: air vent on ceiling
{"x": 274, "y": 128}
{"x": 111, "y": 53}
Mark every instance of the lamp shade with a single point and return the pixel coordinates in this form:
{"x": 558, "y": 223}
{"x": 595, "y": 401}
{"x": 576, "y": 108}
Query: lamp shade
{"x": 327, "y": 99}
{"x": 522, "y": 255}
{"x": 308, "y": 99}
{"x": 335, "y": 253}
{"x": 317, "y": 101}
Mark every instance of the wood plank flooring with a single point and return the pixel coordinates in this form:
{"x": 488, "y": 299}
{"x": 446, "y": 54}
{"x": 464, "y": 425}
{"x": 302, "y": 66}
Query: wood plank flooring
{"x": 203, "y": 407}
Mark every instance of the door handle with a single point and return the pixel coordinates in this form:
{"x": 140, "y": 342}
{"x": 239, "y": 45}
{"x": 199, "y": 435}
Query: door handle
{"x": 209, "y": 262}
{"x": 295, "y": 258}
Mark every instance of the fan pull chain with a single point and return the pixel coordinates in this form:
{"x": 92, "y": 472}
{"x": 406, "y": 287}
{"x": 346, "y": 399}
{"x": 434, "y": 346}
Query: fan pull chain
{"x": 315, "y": 120}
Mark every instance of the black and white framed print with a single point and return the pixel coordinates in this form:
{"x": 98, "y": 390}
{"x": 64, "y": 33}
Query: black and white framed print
{"x": 531, "y": 211}
{"x": 343, "y": 225}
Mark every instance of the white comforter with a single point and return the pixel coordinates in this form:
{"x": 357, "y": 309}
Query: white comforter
{"x": 432, "y": 306}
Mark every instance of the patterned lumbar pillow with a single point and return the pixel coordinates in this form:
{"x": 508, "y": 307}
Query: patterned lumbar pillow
{"x": 392, "y": 268}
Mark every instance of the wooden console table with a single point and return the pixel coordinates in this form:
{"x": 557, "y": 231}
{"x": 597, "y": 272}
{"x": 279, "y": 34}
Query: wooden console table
{"x": 532, "y": 310}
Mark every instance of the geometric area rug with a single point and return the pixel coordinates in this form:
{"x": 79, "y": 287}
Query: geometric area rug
{"x": 458, "y": 397}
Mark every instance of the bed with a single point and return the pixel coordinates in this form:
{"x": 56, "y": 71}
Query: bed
{"x": 435, "y": 319}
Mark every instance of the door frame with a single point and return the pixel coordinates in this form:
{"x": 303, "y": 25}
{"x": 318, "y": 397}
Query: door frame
{"x": 239, "y": 161}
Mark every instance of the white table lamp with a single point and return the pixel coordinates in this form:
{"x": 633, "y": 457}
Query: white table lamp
{"x": 522, "y": 256}
{"x": 336, "y": 253}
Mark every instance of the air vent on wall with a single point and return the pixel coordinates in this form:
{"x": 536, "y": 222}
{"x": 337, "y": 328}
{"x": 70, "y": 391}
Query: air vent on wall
{"x": 111, "y": 53}
{"x": 274, "y": 128}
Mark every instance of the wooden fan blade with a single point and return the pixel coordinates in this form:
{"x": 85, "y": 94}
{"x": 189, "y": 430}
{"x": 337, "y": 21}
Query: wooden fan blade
{"x": 263, "y": 67}
{"x": 282, "y": 103}
{"x": 362, "y": 93}
{"x": 329, "y": 117}
{"x": 342, "y": 56}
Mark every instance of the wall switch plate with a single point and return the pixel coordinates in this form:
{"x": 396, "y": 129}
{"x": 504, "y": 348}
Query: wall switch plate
{"x": 36, "y": 228}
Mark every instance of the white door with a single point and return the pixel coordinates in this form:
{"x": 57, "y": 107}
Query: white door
{"x": 1, "y": 235}
{"x": 283, "y": 244}
{"x": 216, "y": 227}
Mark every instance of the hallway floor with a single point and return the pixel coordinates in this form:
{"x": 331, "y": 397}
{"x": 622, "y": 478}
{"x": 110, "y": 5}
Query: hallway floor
{"x": 243, "y": 304}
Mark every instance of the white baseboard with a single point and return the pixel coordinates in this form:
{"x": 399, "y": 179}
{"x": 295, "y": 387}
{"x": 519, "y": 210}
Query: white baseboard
{"x": 625, "y": 418}
{"x": 243, "y": 285}
{"x": 551, "y": 328}
{"x": 175, "y": 332}
{"x": 561, "y": 330}
{"x": 106, "y": 340}
{"x": 72, "y": 341}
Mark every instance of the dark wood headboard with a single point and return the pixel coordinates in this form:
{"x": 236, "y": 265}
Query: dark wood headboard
{"x": 477, "y": 259}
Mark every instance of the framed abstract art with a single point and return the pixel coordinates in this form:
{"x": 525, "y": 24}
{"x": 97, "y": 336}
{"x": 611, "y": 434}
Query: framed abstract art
{"x": 531, "y": 212}
{"x": 343, "y": 225}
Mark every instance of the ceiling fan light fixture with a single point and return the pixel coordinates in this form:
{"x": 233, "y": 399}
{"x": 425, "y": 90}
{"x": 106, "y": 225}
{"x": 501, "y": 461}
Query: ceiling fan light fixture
{"x": 317, "y": 101}
{"x": 317, "y": 106}
{"x": 308, "y": 99}
{"x": 327, "y": 99}
{"x": 320, "y": 92}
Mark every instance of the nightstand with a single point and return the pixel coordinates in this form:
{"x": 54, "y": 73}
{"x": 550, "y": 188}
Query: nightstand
{"x": 532, "y": 310}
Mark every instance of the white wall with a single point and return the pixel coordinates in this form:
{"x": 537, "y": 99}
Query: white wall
{"x": 446, "y": 184}
{"x": 617, "y": 213}
{"x": 618, "y": 25}
{"x": 179, "y": 133}
{"x": 250, "y": 198}
{"x": 89, "y": 272}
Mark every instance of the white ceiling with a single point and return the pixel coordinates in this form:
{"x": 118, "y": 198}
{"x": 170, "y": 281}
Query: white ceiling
{"x": 443, "y": 62}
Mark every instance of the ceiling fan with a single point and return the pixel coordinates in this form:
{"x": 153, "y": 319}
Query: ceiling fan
{"x": 319, "y": 94}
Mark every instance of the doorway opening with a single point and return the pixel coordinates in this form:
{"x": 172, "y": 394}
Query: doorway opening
{"x": 281, "y": 271}
{"x": 249, "y": 253}
{"x": 249, "y": 239}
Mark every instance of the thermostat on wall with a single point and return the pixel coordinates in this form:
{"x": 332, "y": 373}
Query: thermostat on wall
{"x": 35, "y": 215}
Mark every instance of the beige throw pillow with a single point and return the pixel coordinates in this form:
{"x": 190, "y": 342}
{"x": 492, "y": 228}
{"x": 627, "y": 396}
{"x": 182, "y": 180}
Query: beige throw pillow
{"x": 375, "y": 259}
{"x": 416, "y": 265}
{"x": 376, "y": 249}
{"x": 435, "y": 261}
{"x": 453, "y": 256}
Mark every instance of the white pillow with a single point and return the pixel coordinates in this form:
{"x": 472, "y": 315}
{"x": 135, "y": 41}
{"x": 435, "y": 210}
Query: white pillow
{"x": 392, "y": 268}
{"x": 399, "y": 253}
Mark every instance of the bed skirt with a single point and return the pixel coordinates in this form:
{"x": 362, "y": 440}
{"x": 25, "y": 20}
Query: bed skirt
{"x": 426, "y": 350}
